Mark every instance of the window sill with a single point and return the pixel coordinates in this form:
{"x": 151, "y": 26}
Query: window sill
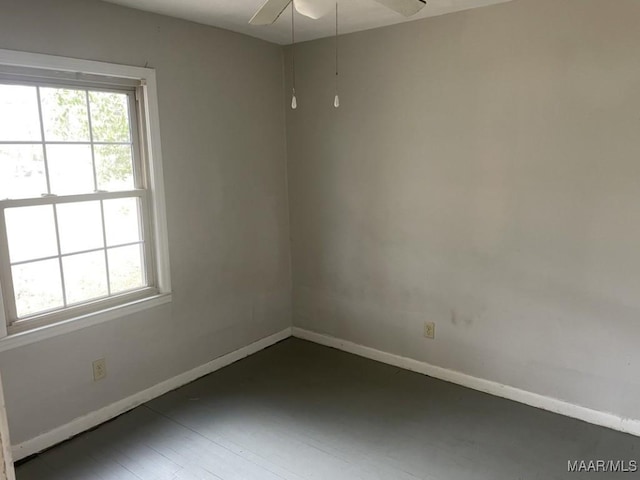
{"x": 37, "y": 334}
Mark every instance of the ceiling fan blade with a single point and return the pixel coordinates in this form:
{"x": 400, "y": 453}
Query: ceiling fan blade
{"x": 269, "y": 12}
{"x": 315, "y": 8}
{"x": 404, "y": 7}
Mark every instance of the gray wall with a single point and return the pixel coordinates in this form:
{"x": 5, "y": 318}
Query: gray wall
{"x": 223, "y": 141}
{"x": 483, "y": 172}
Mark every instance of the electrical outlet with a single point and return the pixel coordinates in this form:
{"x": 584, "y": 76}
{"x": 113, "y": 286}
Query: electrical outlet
{"x": 99, "y": 369}
{"x": 430, "y": 330}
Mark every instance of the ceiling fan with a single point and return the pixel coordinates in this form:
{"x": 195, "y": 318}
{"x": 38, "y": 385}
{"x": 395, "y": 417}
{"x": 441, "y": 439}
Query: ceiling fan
{"x": 272, "y": 9}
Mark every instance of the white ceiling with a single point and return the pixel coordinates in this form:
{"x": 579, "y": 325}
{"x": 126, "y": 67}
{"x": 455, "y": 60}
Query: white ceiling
{"x": 234, "y": 15}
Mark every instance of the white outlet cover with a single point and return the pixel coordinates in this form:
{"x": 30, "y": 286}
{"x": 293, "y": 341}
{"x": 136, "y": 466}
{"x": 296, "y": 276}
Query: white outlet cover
{"x": 99, "y": 369}
{"x": 430, "y": 330}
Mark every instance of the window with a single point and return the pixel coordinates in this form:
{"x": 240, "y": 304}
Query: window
{"x": 81, "y": 212}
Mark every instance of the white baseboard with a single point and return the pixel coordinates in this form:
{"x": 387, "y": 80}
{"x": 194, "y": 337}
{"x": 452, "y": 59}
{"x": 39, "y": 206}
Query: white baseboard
{"x": 84, "y": 423}
{"x": 93, "y": 419}
{"x": 604, "y": 419}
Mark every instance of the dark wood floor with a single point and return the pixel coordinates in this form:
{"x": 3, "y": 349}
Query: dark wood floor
{"x": 302, "y": 411}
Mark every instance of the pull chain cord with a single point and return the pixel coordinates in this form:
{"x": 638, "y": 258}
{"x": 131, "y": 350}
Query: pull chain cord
{"x": 294, "y": 101}
{"x": 336, "y": 100}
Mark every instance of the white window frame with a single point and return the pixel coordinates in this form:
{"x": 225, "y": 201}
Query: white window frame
{"x": 157, "y": 220}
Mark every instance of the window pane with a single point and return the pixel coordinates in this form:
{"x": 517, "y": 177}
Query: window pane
{"x": 19, "y": 119}
{"x": 37, "y": 287}
{"x": 125, "y": 268}
{"x": 22, "y": 172}
{"x": 85, "y": 276}
{"x": 122, "y": 222}
{"x": 70, "y": 169}
{"x": 80, "y": 226}
{"x": 114, "y": 167}
{"x": 64, "y": 113}
{"x": 109, "y": 117}
{"x": 31, "y": 233}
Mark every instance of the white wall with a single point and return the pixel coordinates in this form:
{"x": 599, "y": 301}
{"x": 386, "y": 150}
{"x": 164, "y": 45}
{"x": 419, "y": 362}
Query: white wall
{"x": 223, "y": 140}
{"x": 482, "y": 172}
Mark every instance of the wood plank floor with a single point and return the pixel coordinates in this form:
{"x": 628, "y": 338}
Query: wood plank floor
{"x": 300, "y": 411}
